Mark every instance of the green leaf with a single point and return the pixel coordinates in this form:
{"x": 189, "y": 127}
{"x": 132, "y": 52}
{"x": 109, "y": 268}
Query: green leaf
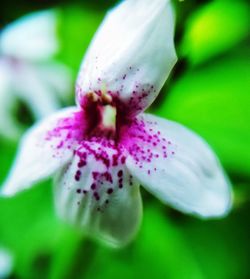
{"x": 164, "y": 250}
{"x": 215, "y": 28}
{"x": 214, "y": 102}
{"x": 66, "y": 257}
{"x": 29, "y": 229}
{"x": 222, "y": 246}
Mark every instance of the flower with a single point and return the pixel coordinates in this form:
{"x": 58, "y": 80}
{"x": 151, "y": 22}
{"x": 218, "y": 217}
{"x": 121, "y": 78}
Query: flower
{"x": 6, "y": 263}
{"x": 106, "y": 147}
{"x": 27, "y": 69}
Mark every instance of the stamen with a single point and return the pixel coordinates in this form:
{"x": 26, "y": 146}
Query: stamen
{"x": 106, "y": 98}
{"x": 93, "y": 97}
{"x": 109, "y": 117}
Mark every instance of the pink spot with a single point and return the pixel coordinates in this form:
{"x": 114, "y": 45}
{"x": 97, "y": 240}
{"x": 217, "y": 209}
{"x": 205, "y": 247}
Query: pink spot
{"x": 120, "y": 173}
{"x": 110, "y": 191}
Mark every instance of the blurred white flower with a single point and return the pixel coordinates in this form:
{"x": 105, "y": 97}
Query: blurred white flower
{"x": 106, "y": 147}
{"x": 6, "y": 263}
{"x": 28, "y": 71}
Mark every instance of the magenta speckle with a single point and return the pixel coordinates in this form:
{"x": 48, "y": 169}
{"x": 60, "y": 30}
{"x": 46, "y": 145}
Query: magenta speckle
{"x": 81, "y": 164}
{"x": 110, "y": 191}
{"x": 96, "y": 196}
{"x": 146, "y": 144}
{"x": 120, "y": 173}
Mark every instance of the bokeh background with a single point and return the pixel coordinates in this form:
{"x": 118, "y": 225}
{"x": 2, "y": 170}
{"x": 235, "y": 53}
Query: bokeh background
{"x": 208, "y": 91}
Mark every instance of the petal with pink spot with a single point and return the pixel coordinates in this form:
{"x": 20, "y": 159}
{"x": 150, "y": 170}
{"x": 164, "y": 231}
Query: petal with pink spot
{"x": 96, "y": 193}
{"x": 131, "y": 54}
{"x": 177, "y": 166}
{"x": 44, "y": 149}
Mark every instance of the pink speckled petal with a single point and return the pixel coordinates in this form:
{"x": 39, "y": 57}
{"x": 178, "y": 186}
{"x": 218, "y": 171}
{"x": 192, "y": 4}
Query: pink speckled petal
{"x": 44, "y": 148}
{"x": 131, "y": 55}
{"x": 96, "y": 193}
{"x": 177, "y": 166}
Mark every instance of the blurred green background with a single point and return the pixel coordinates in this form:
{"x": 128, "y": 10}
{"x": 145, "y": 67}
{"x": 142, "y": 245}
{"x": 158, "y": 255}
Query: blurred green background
{"x": 208, "y": 91}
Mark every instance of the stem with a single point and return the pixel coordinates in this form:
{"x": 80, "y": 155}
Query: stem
{"x": 73, "y": 257}
{"x": 84, "y": 255}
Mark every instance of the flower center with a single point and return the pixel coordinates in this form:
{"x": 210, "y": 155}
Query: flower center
{"x": 101, "y": 115}
{"x": 108, "y": 117}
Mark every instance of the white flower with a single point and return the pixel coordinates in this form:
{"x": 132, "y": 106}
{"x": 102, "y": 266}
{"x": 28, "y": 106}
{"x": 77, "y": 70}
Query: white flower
{"x": 6, "y": 263}
{"x": 27, "y": 69}
{"x": 106, "y": 147}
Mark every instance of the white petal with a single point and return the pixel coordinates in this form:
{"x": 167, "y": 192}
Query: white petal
{"x": 31, "y": 37}
{"x": 29, "y": 85}
{"x": 97, "y": 194}
{"x": 177, "y": 166}
{"x": 131, "y": 55}
{"x": 6, "y": 263}
{"x": 43, "y": 150}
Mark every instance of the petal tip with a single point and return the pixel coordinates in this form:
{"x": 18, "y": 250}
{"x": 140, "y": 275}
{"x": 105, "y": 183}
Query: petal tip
{"x": 6, "y": 192}
{"x": 220, "y": 206}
